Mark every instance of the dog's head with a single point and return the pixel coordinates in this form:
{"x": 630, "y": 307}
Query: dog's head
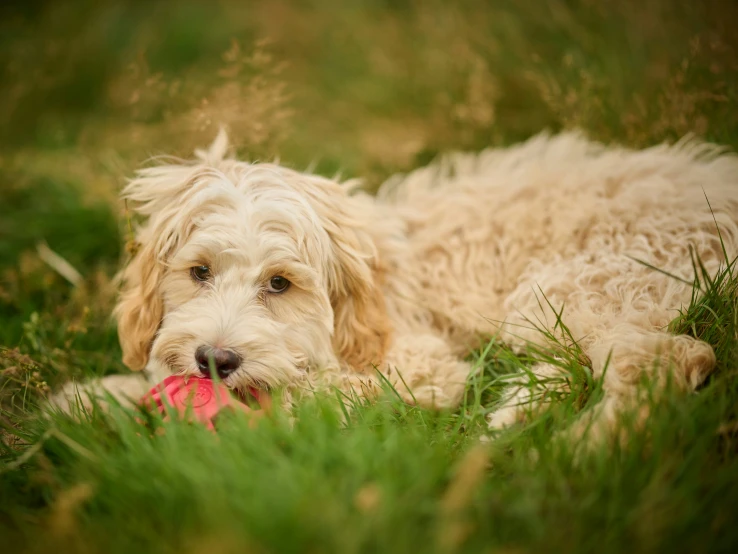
{"x": 257, "y": 271}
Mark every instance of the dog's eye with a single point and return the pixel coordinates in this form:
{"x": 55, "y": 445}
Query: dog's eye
{"x": 200, "y": 273}
{"x": 278, "y": 284}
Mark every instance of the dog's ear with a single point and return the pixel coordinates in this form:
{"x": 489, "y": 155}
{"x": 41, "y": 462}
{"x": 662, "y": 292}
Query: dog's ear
{"x": 361, "y": 326}
{"x": 140, "y": 309}
{"x": 157, "y": 193}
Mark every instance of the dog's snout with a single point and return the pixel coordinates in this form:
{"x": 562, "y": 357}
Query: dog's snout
{"x": 224, "y": 361}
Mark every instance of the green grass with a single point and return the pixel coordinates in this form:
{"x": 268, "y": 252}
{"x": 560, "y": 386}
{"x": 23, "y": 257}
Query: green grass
{"x": 92, "y": 89}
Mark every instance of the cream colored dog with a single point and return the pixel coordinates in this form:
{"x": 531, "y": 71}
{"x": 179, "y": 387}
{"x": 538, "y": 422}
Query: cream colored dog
{"x": 283, "y": 278}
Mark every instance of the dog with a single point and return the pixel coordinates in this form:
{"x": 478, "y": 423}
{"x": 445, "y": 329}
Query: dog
{"x": 277, "y": 278}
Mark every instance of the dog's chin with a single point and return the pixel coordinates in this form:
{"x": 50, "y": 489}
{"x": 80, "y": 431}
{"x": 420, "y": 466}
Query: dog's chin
{"x": 253, "y": 397}
{"x": 247, "y": 390}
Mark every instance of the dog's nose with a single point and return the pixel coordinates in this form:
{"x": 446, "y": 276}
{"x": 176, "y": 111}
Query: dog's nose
{"x": 225, "y": 361}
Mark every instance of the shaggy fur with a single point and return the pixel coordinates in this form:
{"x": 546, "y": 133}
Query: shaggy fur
{"x": 410, "y": 280}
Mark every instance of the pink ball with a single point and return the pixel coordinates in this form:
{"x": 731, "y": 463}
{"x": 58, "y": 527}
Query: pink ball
{"x": 201, "y": 397}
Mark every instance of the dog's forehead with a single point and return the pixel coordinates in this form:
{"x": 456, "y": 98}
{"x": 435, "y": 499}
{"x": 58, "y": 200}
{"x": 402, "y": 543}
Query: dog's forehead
{"x": 255, "y": 218}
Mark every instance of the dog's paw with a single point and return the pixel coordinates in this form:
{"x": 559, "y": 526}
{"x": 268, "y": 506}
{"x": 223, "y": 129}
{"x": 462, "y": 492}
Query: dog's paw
{"x": 80, "y": 397}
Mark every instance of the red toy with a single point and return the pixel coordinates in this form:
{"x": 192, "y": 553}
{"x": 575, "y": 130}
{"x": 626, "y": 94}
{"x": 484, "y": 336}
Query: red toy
{"x": 201, "y": 397}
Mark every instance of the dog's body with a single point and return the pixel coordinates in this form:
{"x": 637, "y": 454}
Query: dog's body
{"x": 410, "y": 280}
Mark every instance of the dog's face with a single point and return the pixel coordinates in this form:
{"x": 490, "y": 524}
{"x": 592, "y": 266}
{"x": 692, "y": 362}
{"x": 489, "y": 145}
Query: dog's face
{"x": 247, "y": 287}
{"x": 254, "y": 271}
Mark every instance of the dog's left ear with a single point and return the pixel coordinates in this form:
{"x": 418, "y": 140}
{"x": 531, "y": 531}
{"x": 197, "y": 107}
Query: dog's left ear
{"x": 361, "y": 326}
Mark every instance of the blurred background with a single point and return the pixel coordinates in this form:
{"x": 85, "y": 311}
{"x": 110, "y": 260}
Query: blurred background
{"x": 91, "y": 89}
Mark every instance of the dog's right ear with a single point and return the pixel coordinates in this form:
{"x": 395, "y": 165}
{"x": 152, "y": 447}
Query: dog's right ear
{"x": 140, "y": 309}
{"x": 157, "y": 193}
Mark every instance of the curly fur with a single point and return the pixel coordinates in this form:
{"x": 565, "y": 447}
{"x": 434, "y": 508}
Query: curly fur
{"x": 411, "y": 279}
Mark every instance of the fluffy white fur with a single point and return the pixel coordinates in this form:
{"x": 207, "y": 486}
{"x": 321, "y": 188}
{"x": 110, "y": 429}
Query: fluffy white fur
{"x": 408, "y": 281}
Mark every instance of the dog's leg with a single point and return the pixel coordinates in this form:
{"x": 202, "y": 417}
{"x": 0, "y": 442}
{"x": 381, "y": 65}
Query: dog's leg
{"x": 421, "y": 368}
{"x": 527, "y": 394}
{"x": 425, "y": 371}
{"x": 628, "y": 356}
{"x": 617, "y": 314}
{"x": 625, "y": 356}
{"x": 633, "y": 356}
{"x": 125, "y": 389}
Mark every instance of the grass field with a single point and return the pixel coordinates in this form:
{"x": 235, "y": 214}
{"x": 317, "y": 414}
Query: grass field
{"x": 92, "y": 89}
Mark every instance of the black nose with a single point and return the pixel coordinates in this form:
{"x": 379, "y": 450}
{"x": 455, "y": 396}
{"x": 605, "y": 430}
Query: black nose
{"x": 224, "y": 361}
